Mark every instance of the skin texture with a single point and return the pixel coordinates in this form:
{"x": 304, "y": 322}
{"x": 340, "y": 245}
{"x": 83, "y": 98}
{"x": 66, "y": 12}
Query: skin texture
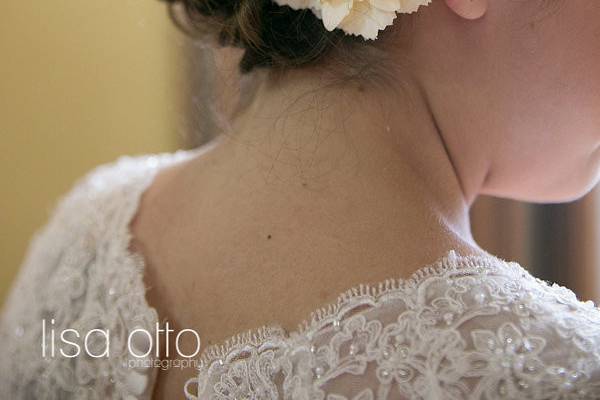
{"x": 320, "y": 187}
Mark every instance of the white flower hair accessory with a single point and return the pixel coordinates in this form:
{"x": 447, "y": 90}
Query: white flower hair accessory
{"x": 356, "y": 17}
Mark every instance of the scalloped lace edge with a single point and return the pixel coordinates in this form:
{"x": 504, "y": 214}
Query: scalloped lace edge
{"x": 324, "y": 315}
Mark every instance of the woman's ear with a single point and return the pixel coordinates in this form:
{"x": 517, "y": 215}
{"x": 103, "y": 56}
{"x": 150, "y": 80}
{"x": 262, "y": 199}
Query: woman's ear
{"x": 468, "y": 9}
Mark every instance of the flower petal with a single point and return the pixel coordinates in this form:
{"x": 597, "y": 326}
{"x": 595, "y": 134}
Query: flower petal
{"x": 334, "y": 11}
{"x": 366, "y": 21}
{"x": 387, "y": 5}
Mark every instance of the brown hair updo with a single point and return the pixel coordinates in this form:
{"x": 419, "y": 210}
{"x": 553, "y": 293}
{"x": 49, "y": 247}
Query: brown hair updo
{"x": 270, "y": 35}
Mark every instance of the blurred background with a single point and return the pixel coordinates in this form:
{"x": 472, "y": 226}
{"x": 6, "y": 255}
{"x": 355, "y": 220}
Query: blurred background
{"x": 82, "y": 83}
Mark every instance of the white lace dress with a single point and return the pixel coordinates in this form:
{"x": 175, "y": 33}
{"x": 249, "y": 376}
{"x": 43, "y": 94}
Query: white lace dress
{"x": 464, "y": 327}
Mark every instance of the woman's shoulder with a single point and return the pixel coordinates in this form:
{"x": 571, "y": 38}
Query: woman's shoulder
{"x": 117, "y": 181}
{"x": 109, "y": 193}
{"x": 98, "y": 202}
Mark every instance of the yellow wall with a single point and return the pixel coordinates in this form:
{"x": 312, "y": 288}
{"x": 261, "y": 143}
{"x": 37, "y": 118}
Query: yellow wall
{"x": 81, "y": 82}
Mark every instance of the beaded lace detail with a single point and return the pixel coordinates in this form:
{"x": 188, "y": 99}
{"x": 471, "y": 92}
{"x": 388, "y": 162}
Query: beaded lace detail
{"x": 354, "y": 297}
{"x": 463, "y": 327}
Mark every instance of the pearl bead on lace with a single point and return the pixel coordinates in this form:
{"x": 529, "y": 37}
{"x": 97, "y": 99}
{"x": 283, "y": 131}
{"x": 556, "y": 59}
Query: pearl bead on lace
{"x": 319, "y": 371}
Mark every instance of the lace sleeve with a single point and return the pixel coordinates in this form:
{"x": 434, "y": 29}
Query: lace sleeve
{"x": 63, "y": 228}
{"x": 71, "y": 227}
{"x": 79, "y": 275}
{"x": 60, "y": 282}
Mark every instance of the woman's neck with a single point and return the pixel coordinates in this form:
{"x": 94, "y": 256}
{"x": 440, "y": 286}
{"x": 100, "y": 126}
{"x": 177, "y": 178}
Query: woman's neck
{"x": 348, "y": 156}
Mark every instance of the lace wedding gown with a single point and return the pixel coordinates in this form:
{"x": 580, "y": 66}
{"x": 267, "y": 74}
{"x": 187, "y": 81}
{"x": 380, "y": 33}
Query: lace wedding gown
{"x": 464, "y": 327}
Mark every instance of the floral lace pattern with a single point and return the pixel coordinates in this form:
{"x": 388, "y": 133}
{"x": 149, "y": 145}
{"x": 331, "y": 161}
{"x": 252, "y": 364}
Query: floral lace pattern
{"x": 464, "y": 327}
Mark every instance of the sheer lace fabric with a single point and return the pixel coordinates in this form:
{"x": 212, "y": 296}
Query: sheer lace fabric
{"x": 464, "y": 327}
